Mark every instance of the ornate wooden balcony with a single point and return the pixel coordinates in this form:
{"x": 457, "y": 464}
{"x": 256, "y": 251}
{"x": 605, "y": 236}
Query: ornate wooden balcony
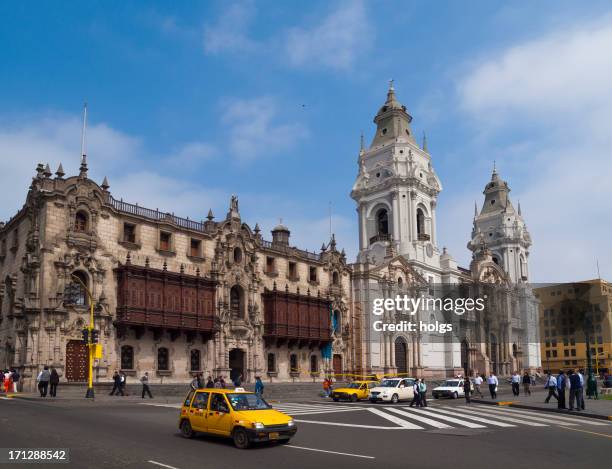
{"x": 300, "y": 319}
{"x": 164, "y": 300}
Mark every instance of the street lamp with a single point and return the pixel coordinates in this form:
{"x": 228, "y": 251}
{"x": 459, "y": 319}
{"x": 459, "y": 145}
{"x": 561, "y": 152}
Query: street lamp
{"x": 72, "y": 292}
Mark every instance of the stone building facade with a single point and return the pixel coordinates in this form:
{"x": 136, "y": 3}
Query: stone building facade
{"x": 172, "y": 296}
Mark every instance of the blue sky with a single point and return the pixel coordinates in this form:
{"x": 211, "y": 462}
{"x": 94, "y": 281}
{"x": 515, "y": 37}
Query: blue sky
{"x": 190, "y": 102}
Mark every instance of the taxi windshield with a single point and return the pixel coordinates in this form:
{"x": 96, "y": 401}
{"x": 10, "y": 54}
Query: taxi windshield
{"x": 354, "y": 386}
{"x": 243, "y": 401}
{"x": 451, "y": 384}
{"x": 389, "y": 383}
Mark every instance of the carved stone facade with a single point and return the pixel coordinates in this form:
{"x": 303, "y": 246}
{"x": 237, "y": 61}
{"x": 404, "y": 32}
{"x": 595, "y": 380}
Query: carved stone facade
{"x": 172, "y": 296}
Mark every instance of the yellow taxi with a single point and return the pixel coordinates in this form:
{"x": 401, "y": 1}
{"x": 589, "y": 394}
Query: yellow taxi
{"x": 355, "y": 391}
{"x": 235, "y": 413}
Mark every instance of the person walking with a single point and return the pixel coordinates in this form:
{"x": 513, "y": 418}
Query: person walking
{"x": 551, "y": 385}
{"x": 467, "y": 390}
{"x": 259, "y": 386}
{"x": 592, "y": 387}
{"x": 492, "y": 382}
{"x": 575, "y": 390}
{"x": 43, "y": 381}
{"x": 582, "y": 385}
{"x": 194, "y": 383}
{"x": 222, "y": 382}
{"x": 422, "y": 394}
{"x": 527, "y": 384}
{"x": 2, "y": 381}
{"x": 561, "y": 384}
{"x": 326, "y": 385}
{"x": 145, "y": 385}
{"x": 116, "y": 384}
{"x": 238, "y": 381}
{"x": 122, "y": 384}
{"x": 416, "y": 394}
{"x": 209, "y": 382}
{"x": 8, "y": 381}
{"x": 53, "y": 382}
{"x": 16, "y": 377}
{"x": 516, "y": 383}
{"x": 477, "y": 383}
{"x": 217, "y": 383}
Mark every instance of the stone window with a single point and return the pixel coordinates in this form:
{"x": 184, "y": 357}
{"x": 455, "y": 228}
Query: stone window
{"x": 165, "y": 240}
{"x": 270, "y": 265}
{"x": 335, "y": 278}
{"x": 382, "y": 222}
{"x": 293, "y": 363}
{"x": 195, "y": 248}
{"x": 312, "y": 274}
{"x": 237, "y": 254}
{"x": 420, "y": 219}
{"x": 82, "y": 299}
{"x": 236, "y": 302}
{"x": 163, "y": 363}
{"x": 127, "y": 357}
{"x": 292, "y": 273}
{"x": 271, "y": 363}
{"x": 129, "y": 233}
{"x": 195, "y": 360}
{"x": 80, "y": 222}
{"x": 314, "y": 364}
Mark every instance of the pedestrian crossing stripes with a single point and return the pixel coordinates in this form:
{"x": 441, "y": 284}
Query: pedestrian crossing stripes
{"x": 309, "y": 409}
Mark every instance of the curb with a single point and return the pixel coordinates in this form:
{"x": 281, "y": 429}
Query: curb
{"x": 544, "y": 409}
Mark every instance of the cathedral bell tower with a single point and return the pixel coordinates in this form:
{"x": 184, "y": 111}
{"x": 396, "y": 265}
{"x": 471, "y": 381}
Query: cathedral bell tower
{"x": 396, "y": 190}
{"x": 500, "y": 229}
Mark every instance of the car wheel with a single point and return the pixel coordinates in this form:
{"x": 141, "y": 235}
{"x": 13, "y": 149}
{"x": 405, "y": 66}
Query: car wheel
{"x": 186, "y": 429}
{"x": 241, "y": 439}
{"x": 335, "y": 399}
{"x": 395, "y": 399}
{"x": 354, "y": 398}
{"x": 455, "y": 395}
{"x": 373, "y": 401}
{"x": 284, "y": 442}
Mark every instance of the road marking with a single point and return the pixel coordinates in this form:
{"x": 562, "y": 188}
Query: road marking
{"x": 172, "y": 406}
{"x": 450, "y": 419}
{"x": 392, "y": 418}
{"x": 538, "y": 418}
{"x": 477, "y": 419}
{"x": 583, "y": 420}
{"x": 330, "y": 452}
{"x": 489, "y": 414}
{"x": 5, "y": 398}
{"x": 413, "y": 415}
{"x": 162, "y": 465}
{"x": 586, "y": 431}
{"x": 353, "y": 425}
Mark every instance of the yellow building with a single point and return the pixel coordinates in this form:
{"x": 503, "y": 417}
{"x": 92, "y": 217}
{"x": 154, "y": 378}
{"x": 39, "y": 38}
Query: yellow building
{"x": 572, "y": 315}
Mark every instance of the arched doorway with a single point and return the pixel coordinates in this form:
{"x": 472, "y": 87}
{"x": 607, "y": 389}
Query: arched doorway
{"x": 337, "y": 363}
{"x": 77, "y": 361}
{"x": 401, "y": 355}
{"x": 236, "y": 364}
{"x": 465, "y": 358}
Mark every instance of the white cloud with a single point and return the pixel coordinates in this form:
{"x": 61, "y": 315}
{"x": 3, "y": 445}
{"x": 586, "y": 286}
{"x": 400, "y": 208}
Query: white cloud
{"x": 254, "y": 129}
{"x": 557, "y": 86}
{"x": 230, "y": 32}
{"x": 335, "y": 42}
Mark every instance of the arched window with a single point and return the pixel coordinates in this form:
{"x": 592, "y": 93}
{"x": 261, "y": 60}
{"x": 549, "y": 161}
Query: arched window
{"x": 81, "y": 299}
{"x": 335, "y": 278}
{"x": 336, "y": 321}
{"x": 194, "y": 359}
{"x": 523, "y": 267}
{"x": 271, "y": 363}
{"x": 314, "y": 364}
{"x": 382, "y": 222}
{"x": 420, "y": 219}
{"x": 163, "y": 363}
{"x": 293, "y": 363}
{"x": 400, "y": 282}
{"x": 127, "y": 357}
{"x": 236, "y": 302}
{"x": 80, "y": 222}
{"x": 496, "y": 260}
{"x": 237, "y": 255}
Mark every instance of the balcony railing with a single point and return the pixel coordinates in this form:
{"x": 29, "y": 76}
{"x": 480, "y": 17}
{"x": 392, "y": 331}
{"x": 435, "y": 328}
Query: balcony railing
{"x": 423, "y": 237}
{"x": 381, "y": 237}
{"x": 290, "y": 250}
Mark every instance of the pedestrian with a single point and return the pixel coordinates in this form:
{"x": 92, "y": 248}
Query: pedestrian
{"x": 575, "y": 390}
{"x": 122, "y": 384}
{"x": 259, "y": 386}
{"x": 527, "y": 383}
{"x": 210, "y": 383}
{"x": 561, "y": 383}
{"x": 492, "y": 382}
{"x": 194, "y": 383}
{"x": 326, "y": 385}
{"x": 222, "y": 382}
{"x": 1, "y": 380}
{"x": 477, "y": 383}
{"x": 8, "y": 381}
{"x": 592, "y": 387}
{"x": 16, "y": 377}
{"x": 416, "y": 394}
{"x": 217, "y": 383}
{"x": 238, "y": 381}
{"x": 145, "y": 385}
{"x": 551, "y": 385}
{"x": 582, "y": 384}
{"x": 116, "y": 384}
{"x": 422, "y": 394}
{"x": 43, "y": 381}
{"x": 516, "y": 383}
{"x": 53, "y": 382}
{"x": 467, "y": 390}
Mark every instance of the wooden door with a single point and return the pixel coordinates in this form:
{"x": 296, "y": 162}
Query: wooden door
{"x": 337, "y": 366}
{"x": 77, "y": 361}
{"x": 401, "y": 355}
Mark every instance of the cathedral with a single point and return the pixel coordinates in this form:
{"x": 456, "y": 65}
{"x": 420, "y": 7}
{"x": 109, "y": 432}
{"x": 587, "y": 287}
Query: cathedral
{"x": 175, "y": 296}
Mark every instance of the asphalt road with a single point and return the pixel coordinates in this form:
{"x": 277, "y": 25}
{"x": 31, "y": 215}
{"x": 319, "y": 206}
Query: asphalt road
{"x": 128, "y": 434}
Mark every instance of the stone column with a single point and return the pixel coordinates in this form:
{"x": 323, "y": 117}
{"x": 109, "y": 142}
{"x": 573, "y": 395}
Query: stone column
{"x": 433, "y": 222}
{"x": 396, "y": 217}
{"x": 363, "y": 229}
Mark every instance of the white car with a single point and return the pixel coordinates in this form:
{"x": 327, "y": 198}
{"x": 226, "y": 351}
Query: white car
{"x": 452, "y": 388}
{"x": 393, "y": 390}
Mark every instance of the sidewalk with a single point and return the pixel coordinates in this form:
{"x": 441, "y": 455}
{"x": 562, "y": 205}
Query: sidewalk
{"x": 600, "y": 408}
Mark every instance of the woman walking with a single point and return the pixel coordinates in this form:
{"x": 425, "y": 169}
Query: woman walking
{"x": 467, "y": 389}
{"x": 53, "y": 382}
{"x": 527, "y": 384}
